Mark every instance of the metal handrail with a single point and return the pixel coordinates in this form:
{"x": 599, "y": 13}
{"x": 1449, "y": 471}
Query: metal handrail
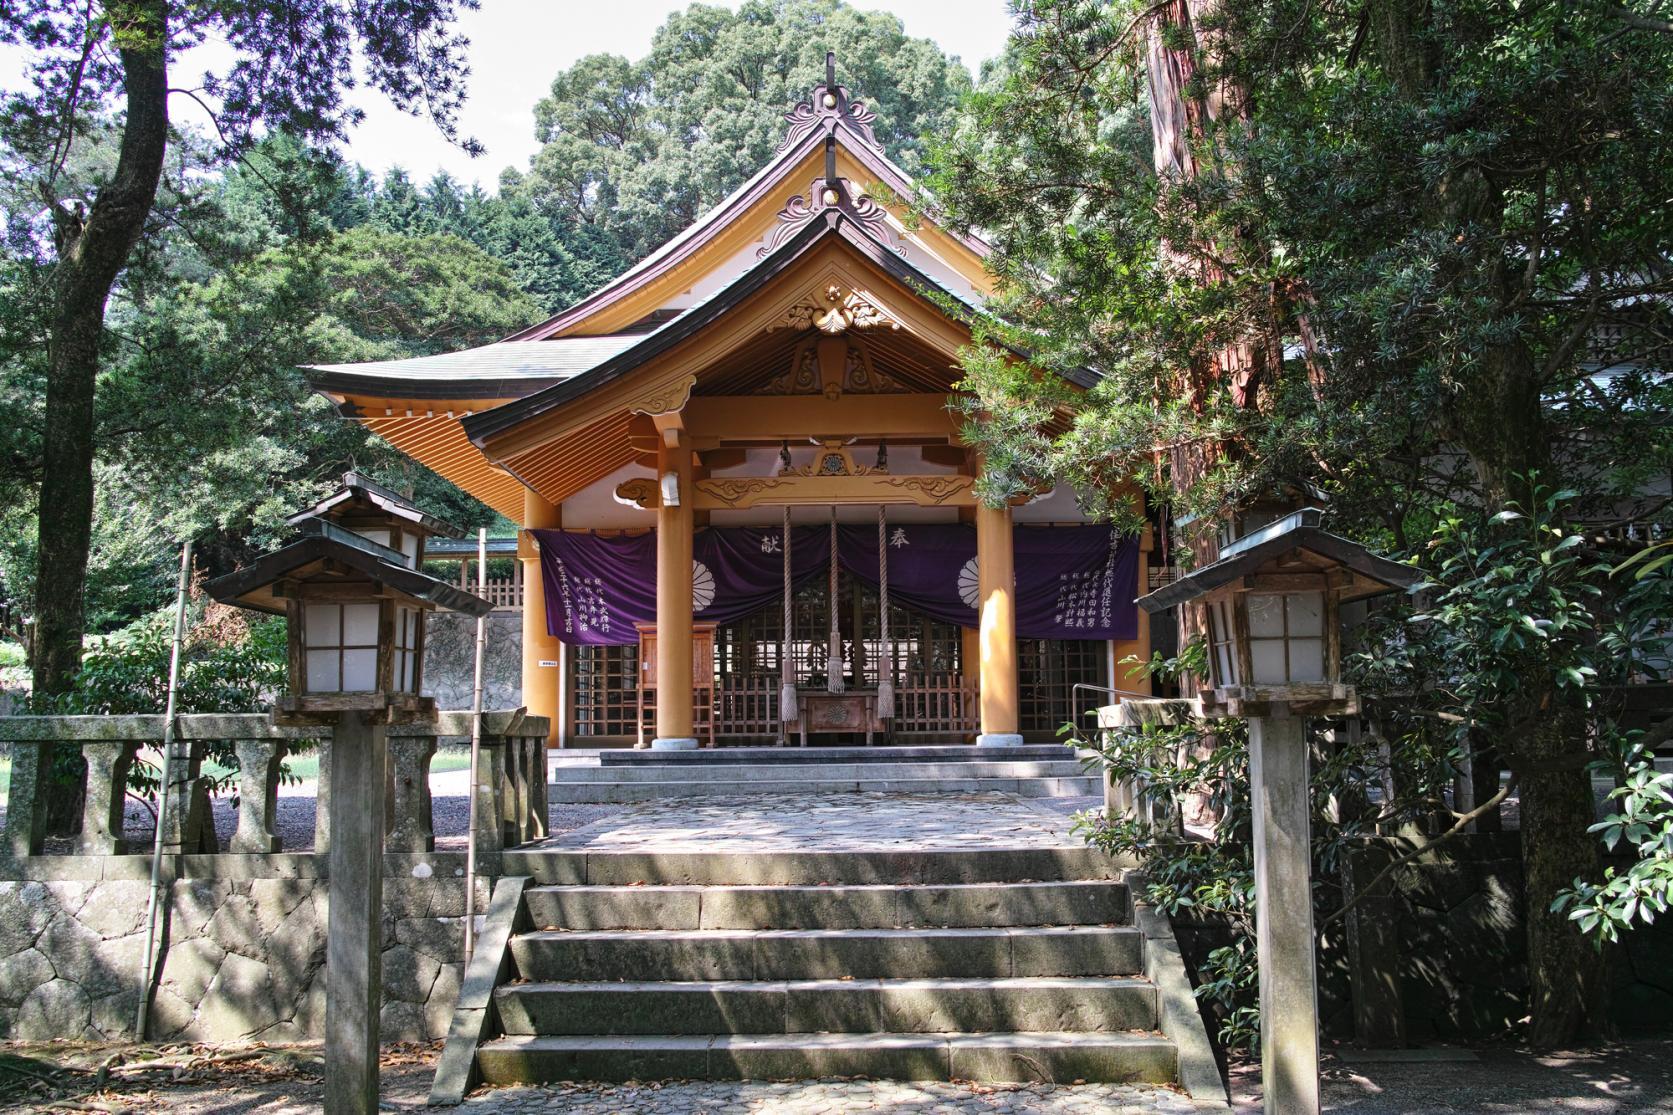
{"x": 1079, "y": 685}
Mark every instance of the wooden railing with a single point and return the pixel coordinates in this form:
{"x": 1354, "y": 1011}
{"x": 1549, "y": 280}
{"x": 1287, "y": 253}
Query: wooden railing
{"x": 511, "y": 794}
{"x": 939, "y": 704}
{"x": 746, "y": 708}
{"x": 502, "y": 592}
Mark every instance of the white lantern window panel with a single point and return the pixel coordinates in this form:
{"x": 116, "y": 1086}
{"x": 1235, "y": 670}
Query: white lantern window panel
{"x": 1222, "y": 643}
{"x": 1286, "y": 637}
{"x": 406, "y": 648}
{"x": 340, "y": 647}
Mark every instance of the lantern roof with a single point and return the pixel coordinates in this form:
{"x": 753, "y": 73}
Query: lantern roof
{"x": 327, "y": 553}
{"x": 1298, "y": 536}
{"x": 359, "y": 494}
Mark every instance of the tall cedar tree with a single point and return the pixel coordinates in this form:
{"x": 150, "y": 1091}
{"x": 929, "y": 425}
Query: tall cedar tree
{"x": 293, "y": 61}
{"x": 1409, "y": 254}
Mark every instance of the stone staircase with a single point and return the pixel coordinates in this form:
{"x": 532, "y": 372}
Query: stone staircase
{"x": 1001, "y": 964}
{"x": 1029, "y": 770}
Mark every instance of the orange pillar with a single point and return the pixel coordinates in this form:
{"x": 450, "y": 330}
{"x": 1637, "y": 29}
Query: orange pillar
{"x": 997, "y": 629}
{"x": 543, "y": 653}
{"x": 673, "y": 597}
{"x": 1134, "y": 677}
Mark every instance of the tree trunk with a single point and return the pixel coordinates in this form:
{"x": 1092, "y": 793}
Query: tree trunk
{"x": 1567, "y": 973}
{"x": 1185, "y": 107}
{"x": 91, "y": 254}
{"x": 1503, "y": 428}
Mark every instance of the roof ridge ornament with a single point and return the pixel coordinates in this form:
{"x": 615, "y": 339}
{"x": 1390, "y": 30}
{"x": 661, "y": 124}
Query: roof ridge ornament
{"x": 831, "y": 193}
{"x": 830, "y": 105}
{"x": 835, "y": 311}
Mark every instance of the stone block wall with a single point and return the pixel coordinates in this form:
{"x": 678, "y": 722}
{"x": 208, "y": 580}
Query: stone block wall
{"x": 1456, "y": 948}
{"x": 1462, "y": 944}
{"x": 450, "y": 659}
{"x": 245, "y": 949}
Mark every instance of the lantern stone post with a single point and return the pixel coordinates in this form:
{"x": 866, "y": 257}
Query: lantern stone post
{"x": 355, "y": 597}
{"x": 1273, "y": 601}
{"x": 1284, "y": 936}
{"x": 354, "y": 922}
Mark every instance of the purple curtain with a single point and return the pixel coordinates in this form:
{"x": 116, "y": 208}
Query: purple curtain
{"x": 1072, "y": 582}
{"x": 597, "y": 587}
{"x": 745, "y": 567}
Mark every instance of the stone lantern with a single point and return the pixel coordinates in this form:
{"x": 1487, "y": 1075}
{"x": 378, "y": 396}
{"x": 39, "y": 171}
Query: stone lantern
{"x": 1274, "y": 629}
{"x": 355, "y": 597}
{"x": 1275, "y": 655}
{"x": 352, "y": 588}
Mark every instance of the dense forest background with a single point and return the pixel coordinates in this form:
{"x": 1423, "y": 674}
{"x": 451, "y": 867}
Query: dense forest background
{"x": 1406, "y": 259}
{"x": 291, "y": 253}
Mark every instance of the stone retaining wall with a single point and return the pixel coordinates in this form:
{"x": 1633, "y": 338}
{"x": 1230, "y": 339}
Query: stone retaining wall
{"x": 245, "y": 947}
{"x": 1446, "y": 950}
{"x": 450, "y": 659}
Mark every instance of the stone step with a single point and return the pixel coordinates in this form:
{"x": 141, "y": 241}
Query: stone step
{"x": 869, "y": 906}
{"x": 991, "y": 1057}
{"x": 1100, "y": 1005}
{"x": 884, "y": 753}
{"x": 807, "y": 868}
{"x": 598, "y": 793}
{"x": 738, "y": 954}
{"x": 1062, "y": 766}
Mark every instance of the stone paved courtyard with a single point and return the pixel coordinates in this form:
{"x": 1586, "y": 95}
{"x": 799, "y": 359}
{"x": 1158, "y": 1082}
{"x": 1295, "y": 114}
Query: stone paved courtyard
{"x": 1631, "y": 1077}
{"x": 864, "y": 822}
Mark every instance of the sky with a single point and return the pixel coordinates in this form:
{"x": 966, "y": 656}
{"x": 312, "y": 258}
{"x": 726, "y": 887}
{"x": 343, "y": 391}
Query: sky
{"x": 518, "y": 46}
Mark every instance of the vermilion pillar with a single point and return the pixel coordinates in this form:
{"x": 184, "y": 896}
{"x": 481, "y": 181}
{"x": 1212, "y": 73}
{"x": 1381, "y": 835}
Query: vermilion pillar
{"x": 673, "y": 595}
{"x": 543, "y": 661}
{"x": 997, "y": 629}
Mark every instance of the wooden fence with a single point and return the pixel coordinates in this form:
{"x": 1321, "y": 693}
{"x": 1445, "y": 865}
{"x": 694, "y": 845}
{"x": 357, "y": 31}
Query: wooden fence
{"x": 936, "y": 704}
{"x": 502, "y": 592}
{"x": 511, "y": 795}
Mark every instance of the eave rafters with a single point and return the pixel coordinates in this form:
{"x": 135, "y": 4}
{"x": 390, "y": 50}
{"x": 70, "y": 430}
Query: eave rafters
{"x": 437, "y": 440}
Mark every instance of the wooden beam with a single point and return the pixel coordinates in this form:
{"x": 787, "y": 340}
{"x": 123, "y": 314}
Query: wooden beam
{"x": 670, "y": 425}
{"x": 948, "y": 456}
{"x": 714, "y": 418}
{"x": 724, "y": 458}
{"x": 800, "y": 491}
{"x": 741, "y": 493}
{"x": 833, "y": 364}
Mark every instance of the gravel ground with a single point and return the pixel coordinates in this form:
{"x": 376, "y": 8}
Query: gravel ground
{"x": 295, "y": 825}
{"x": 1632, "y": 1077}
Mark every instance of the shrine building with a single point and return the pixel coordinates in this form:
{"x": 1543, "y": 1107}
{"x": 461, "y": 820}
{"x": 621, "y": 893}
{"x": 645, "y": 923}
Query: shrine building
{"x": 747, "y": 438}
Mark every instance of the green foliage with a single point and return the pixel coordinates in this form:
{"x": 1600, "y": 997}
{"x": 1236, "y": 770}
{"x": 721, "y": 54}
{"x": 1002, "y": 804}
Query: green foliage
{"x": 1437, "y": 236}
{"x": 227, "y": 664}
{"x": 1529, "y": 623}
{"x": 205, "y": 428}
{"x": 1641, "y": 819}
{"x": 127, "y": 671}
{"x": 1640, "y": 810}
{"x": 1204, "y": 870}
{"x": 636, "y": 151}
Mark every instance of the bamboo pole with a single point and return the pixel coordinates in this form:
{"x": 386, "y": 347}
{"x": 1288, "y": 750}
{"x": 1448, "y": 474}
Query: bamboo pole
{"x": 476, "y": 747}
{"x": 148, "y": 972}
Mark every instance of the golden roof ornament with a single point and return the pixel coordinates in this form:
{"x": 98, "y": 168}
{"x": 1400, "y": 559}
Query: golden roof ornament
{"x": 829, "y": 106}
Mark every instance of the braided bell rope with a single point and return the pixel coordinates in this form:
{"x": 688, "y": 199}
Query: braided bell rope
{"x": 833, "y": 659}
{"x": 886, "y": 669}
{"x": 787, "y": 710}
